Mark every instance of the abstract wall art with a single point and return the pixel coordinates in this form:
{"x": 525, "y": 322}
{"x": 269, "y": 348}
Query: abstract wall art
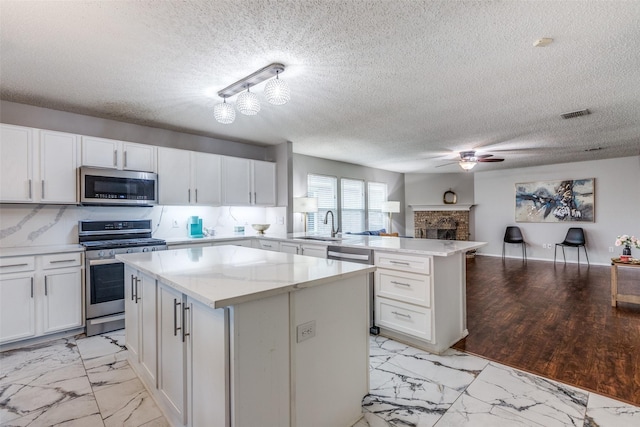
{"x": 555, "y": 201}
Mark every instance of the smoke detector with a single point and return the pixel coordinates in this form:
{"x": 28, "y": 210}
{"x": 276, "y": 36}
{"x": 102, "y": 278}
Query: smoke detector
{"x": 545, "y": 41}
{"x": 573, "y": 114}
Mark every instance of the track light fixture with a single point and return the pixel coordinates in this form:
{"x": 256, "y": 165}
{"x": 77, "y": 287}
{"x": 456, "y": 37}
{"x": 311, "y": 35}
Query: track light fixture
{"x": 276, "y": 91}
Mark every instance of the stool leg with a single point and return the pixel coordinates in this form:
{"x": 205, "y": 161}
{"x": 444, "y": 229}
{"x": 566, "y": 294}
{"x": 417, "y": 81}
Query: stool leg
{"x": 555, "y": 251}
{"x": 586, "y": 254}
{"x": 564, "y": 256}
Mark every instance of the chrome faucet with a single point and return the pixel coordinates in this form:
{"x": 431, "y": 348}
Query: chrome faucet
{"x": 334, "y": 231}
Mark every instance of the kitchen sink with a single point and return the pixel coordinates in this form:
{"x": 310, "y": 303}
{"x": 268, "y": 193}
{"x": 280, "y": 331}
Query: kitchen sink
{"x": 321, "y": 238}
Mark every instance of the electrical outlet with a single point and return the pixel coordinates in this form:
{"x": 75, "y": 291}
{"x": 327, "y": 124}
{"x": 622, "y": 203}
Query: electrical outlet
{"x": 306, "y": 331}
{"x": 549, "y": 245}
{"x": 175, "y": 223}
{"x": 280, "y": 220}
{"x": 544, "y": 246}
{"x": 611, "y": 249}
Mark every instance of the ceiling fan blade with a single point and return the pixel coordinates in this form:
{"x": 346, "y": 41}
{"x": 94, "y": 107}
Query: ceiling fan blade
{"x": 446, "y": 164}
{"x": 490, "y": 160}
{"x": 483, "y": 156}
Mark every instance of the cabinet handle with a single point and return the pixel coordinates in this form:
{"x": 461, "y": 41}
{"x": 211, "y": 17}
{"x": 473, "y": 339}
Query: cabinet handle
{"x": 196, "y": 195}
{"x": 57, "y": 261}
{"x": 43, "y": 188}
{"x": 255, "y": 198}
{"x": 15, "y": 265}
{"x": 266, "y": 246}
{"x": 32, "y": 288}
{"x": 184, "y": 323}
{"x": 137, "y": 281}
{"x": 29, "y": 188}
{"x": 400, "y": 283}
{"x": 249, "y": 197}
{"x": 45, "y": 285}
{"x": 399, "y": 262}
{"x": 175, "y": 317}
{"x": 189, "y": 195}
{"x": 132, "y": 287}
{"x": 115, "y": 157}
{"x": 401, "y": 314}
{"x": 125, "y": 158}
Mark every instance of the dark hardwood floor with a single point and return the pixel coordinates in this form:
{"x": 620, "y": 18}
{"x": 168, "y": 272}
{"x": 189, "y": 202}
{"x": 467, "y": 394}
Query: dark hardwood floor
{"x": 556, "y": 322}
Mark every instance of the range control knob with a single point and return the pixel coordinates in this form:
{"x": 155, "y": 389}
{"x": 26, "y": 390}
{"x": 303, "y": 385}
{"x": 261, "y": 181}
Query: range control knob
{"x": 112, "y": 252}
{"x": 129, "y": 250}
{"x": 145, "y": 249}
{"x": 153, "y": 249}
{"x": 101, "y": 254}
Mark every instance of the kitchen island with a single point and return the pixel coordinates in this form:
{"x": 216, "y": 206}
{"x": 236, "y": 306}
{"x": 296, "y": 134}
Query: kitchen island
{"x": 228, "y": 335}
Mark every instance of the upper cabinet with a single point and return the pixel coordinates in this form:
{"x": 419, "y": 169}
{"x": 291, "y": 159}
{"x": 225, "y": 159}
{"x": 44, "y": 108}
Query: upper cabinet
{"x": 112, "y": 154}
{"x": 248, "y": 182}
{"x": 188, "y": 178}
{"x": 37, "y": 166}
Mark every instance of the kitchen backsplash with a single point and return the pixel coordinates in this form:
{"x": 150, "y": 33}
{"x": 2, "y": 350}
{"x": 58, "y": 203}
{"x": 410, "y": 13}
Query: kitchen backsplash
{"x": 40, "y": 225}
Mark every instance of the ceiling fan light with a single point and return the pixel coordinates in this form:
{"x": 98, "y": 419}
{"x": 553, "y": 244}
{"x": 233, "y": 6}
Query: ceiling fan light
{"x": 467, "y": 165}
{"x": 224, "y": 113}
{"x": 277, "y": 91}
{"x": 248, "y": 103}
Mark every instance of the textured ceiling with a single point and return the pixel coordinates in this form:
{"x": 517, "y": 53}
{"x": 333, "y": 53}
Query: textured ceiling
{"x": 397, "y": 85}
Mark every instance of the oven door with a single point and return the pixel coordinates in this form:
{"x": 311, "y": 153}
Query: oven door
{"x": 105, "y": 287}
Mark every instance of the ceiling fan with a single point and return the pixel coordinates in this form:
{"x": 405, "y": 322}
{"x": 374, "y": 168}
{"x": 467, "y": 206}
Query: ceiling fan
{"x": 468, "y": 159}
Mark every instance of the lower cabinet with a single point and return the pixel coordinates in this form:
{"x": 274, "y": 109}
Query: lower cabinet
{"x": 40, "y": 295}
{"x": 318, "y": 251}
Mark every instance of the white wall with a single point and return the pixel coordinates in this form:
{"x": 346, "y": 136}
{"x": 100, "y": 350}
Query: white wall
{"x": 617, "y": 208}
{"x": 429, "y": 189}
{"x": 303, "y": 165}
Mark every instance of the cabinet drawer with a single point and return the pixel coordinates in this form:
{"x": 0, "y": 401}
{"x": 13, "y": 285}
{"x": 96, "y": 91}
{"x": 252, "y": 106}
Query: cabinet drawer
{"x": 406, "y": 287}
{"x": 415, "y": 264}
{"x": 406, "y": 318}
{"x": 71, "y": 259}
{"x": 17, "y": 264}
{"x": 269, "y": 245}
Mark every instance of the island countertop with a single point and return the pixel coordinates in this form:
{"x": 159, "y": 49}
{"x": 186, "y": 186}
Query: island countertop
{"x": 221, "y": 276}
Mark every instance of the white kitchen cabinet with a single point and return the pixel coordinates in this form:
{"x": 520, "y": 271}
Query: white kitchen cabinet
{"x": 248, "y": 182}
{"x": 58, "y": 167}
{"x": 171, "y": 352}
{"x": 114, "y": 154}
{"x": 17, "y": 306}
{"x": 16, "y": 164}
{"x": 290, "y": 248}
{"x": 188, "y": 178}
{"x": 318, "y": 251}
{"x": 267, "y": 245}
{"x": 40, "y": 295}
{"x": 140, "y": 322}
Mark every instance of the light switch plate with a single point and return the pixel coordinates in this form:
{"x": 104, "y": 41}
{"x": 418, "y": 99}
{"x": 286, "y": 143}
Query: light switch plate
{"x": 306, "y": 331}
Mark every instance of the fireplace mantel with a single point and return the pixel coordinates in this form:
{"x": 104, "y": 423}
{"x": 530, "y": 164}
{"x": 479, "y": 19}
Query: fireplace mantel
{"x": 452, "y": 207}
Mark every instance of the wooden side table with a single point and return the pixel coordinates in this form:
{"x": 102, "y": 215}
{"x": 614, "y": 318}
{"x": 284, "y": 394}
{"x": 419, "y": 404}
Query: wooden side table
{"x": 615, "y": 296}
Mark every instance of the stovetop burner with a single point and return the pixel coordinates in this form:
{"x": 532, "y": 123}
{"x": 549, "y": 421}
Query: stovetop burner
{"x": 95, "y": 235}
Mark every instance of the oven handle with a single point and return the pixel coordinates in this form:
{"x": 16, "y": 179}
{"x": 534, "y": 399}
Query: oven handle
{"x": 104, "y": 261}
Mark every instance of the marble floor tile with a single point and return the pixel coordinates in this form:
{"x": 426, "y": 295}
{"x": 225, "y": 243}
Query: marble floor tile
{"x": 32, "y": 360}
{"x": 505, "y": 396}
{"x": 43, "y": 390}
{"x": 101, "y": 345}
{"x": 109, "y": 370}
{"x": 80, "y": 412}
{"x": 605, "y": 412}
{"x": 127, "y": 404}
{"x": 158, "y": 422}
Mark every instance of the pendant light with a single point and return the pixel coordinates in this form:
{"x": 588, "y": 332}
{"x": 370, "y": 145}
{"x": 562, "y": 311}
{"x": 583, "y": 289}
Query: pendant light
{"x": 248, "y": 103}
{"x": 224, "y": 113}
{"x": 277, "y": 91}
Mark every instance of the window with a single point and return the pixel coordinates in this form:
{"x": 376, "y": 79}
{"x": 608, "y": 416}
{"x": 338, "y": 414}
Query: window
{"x": 325, "y": 189}
{"x": 352, "y": 214}
{"x": 376, "y": 194}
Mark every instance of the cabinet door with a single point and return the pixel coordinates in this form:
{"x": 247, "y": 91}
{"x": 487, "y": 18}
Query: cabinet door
{"x": 17, "y": 307}
{"x": 147, "y": 306}
{"x": 318, "y": 251}
{"x": 100, "y": 152}
{"x": 208, "y": 369}
{"x": 289, "y": 248}
{"x": 58, "y": 167}
{"x": 264, "y": 183}
{"x": 171, "y": 351}
{"x": 131, "y": 314}
{"x": 174, "y": 176}
{"x": 206, "y": 183}
{"x": 236, "y": 182}
{"x": 138, "y": 157}
{"x": 62, "y": 300}
{"x": 16, "y": 164}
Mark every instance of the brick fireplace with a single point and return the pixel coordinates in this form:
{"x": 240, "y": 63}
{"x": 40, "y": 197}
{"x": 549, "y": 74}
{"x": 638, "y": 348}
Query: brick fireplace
{"x": 441, "y": 224}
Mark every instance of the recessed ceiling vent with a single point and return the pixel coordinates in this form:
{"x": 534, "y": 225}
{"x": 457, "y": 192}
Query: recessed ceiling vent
{"x": 573, "y": 114}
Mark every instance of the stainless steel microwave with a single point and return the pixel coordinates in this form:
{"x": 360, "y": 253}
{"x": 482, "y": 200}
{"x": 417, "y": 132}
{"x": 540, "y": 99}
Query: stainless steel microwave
{"x": 116, "y": 187}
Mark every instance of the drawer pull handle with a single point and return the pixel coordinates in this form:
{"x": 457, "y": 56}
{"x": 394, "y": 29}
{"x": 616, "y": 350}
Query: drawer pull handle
{"x": 56, "y": 261}
{"x": 399, "y": 262}
{"x": 408, "y": 316}
{"x": 15, "y": 265}
{"x": 400, "y": 283}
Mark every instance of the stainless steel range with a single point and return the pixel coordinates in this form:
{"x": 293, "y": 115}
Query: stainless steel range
{"x": 104, "y": 284}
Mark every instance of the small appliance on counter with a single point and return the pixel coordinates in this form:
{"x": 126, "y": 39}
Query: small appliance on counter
{"x": 195, "y": 227}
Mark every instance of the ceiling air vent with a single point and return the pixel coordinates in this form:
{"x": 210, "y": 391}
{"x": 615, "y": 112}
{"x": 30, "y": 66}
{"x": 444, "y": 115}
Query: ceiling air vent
{"x": 573, "y": 114}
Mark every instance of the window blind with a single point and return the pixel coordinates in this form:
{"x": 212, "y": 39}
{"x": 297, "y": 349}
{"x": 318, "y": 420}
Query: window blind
{"x": 376, "y": 194}
{"x": 353, "y": 213}
{"x": 325, "y": 189}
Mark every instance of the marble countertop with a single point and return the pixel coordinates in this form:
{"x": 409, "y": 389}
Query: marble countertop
{"x": 39, "y": 250}
{"x": 220, "y": 276}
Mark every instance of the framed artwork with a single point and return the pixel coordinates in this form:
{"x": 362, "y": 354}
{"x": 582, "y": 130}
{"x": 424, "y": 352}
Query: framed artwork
{"x": 555, "y": 201}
